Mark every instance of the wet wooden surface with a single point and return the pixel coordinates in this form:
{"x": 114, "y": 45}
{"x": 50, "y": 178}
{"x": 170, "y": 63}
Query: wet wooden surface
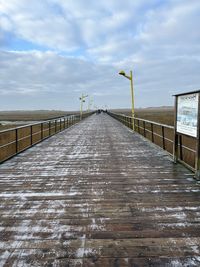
{"x": 98, "y": 195}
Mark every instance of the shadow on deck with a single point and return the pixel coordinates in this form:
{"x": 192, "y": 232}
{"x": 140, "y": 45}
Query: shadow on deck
{"x": 98, "y": 195}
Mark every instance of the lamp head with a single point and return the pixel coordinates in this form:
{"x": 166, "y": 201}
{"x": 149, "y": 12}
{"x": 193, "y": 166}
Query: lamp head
{"x": 122, "y": 73}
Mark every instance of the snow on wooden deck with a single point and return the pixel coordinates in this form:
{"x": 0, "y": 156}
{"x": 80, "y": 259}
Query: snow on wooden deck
{"x": 98, "y": 195}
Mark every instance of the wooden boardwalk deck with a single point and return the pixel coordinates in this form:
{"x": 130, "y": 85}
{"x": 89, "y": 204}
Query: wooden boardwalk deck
{"x": 98, "y": 195}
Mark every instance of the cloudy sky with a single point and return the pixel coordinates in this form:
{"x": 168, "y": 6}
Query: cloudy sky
{"x": 52, "y": 51}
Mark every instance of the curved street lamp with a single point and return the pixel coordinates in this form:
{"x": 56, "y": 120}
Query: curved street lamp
{"x": 132, "y": 94}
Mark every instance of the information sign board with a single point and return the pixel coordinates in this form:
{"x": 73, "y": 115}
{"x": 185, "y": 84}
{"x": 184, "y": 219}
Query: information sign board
{"x": 187, "y": 114}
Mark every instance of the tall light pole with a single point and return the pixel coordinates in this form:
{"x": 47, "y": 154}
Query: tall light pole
{"x": 82, "y": 99}
{"x": 132, "y": 94}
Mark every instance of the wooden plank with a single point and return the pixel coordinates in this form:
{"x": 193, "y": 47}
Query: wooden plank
{"x": 98, "y": 195}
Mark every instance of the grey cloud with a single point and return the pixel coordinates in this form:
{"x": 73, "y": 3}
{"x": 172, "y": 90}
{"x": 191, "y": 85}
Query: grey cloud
{"x": 36, "y": 75}
{"x": 159, "y": 40}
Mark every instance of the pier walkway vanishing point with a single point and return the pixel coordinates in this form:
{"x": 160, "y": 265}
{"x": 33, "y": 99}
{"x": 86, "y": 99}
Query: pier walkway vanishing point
{"x": 97, "y": 194}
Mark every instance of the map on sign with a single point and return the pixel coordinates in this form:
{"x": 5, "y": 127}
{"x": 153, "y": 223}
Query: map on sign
{"x": 187, "y": 114}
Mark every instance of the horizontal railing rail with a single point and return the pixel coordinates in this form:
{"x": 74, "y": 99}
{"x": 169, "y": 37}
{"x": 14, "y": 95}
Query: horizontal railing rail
{"x": 163, "y": 136}
{"x": 15, "y": 140}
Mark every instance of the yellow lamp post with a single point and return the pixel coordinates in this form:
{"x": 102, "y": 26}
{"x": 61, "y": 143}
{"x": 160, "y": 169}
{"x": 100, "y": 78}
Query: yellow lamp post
{"x": 82, "y": 99}
{"x": 132, "y": 94}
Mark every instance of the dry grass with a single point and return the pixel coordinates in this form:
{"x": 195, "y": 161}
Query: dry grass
{"x": 25, "y": 116}
{"x": 164, "y": 115}
{"x": 32, "y": 115}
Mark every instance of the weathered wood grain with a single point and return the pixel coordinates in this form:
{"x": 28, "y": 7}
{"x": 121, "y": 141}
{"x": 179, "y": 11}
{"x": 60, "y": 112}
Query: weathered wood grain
{"x": 98, "y": 195}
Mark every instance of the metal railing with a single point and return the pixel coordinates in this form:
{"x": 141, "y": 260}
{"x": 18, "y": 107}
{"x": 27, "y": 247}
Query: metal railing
{"x": 16, "y": 140}
{"x": 163, "y": 136}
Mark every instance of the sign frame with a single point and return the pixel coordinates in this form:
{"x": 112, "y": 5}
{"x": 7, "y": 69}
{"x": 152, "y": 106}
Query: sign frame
{"x": 187, "y": 118}
{"x": 187, "y": 114}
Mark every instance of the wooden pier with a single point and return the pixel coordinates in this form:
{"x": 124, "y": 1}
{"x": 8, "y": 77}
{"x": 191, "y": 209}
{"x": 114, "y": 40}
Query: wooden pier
{"x": 98, "y": 195}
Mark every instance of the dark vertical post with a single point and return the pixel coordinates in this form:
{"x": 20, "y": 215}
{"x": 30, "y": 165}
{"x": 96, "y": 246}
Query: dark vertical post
{"x": 41, "y": 131}
{"x": 197, "y": 160}
{"x": 181, "y": 147}
{"x": 60, "y": 125}
{"x": 138, "y": 126}
{"x": 55, "y": 126}
{"x": 31, "y": 134}
{"x": 16, "y": 141}
{"x": 163, "y": 137}
{"x": 175, "y": 148}
{"x": 49, "y": 128}
{"x": 144, "y": 128}
{"x": 64, "y": 124}
{"x": 152, "y": 135}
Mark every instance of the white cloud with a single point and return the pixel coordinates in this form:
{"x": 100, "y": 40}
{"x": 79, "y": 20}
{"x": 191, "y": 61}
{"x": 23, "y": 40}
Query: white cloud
{"x": 112, "y": 30}
{"x": 158, "y": 39}
{"x": 40, "y": 72}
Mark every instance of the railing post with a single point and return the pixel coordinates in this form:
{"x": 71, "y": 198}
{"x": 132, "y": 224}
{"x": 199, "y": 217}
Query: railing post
{"x": 175, "y": 153}
{"x": 181, "y": 147}
{"x": 152, "y": 135}
{"x": 16, "y": 141}
{"x": 49, "y": 128}
{"x": 60, "y": 125}
{"x": 41, "y": 130}
{"x": 64, "y": 124}
{"x": 175, "y": 147}
{"x": 31, "y": 134}
{"x": 197, "y": 156}
{"x": 163, "y": 137}
{"x": 138, "y": 126}
{"x": 55, "y": 126}
{"x": 144, "y": 128}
